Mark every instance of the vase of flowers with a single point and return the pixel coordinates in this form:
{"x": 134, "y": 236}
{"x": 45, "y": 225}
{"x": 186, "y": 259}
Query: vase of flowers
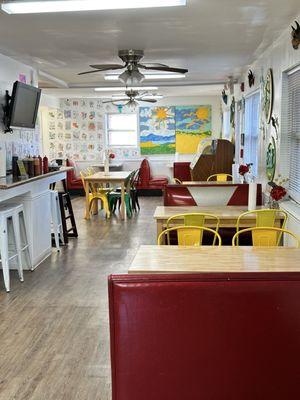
{"x": 277, "y": 193}
{"x": 108, "y": 156}
{"x": 244, "y": 169}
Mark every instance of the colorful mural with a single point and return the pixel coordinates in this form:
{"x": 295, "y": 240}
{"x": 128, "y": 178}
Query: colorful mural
{"x": 157, "y": 130}
{"x": 193, "y": 124}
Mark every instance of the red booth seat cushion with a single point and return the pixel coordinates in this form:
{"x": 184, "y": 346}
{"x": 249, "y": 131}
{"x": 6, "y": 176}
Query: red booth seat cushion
{"x": 73, "y": 182}
{"x": 146, "y": 181}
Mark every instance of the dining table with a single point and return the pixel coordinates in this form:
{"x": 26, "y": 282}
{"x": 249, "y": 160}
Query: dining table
{"x": 228, "y": 216}
{"x": 208, "y": 183}
{"x": 112, "y": 178}
{"x": 151, "y": 259}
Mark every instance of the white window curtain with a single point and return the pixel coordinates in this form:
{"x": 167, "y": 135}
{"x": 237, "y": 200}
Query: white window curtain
{"x": 252, "y": 115}
{"x": 291, "y": 138}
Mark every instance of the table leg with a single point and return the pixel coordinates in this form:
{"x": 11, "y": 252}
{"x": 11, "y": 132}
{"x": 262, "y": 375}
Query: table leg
{"x": 159, "y": 228}
{"x": 122, "y": 201}
{"x": 87, "y": 203}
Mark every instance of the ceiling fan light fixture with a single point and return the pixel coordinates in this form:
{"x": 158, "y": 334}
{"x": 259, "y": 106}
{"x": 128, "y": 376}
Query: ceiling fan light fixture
{"x": 132, "y": 105}
{"x": 131, "y": 77}
{"x": 51, "y": 6}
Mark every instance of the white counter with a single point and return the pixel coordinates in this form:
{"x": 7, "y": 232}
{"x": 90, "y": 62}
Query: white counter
{"x": 35, "y": 196}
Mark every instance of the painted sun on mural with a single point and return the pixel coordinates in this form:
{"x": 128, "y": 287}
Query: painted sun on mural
{"x": 193, "y": 124}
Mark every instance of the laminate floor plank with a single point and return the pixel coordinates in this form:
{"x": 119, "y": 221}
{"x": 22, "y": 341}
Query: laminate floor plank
{"x": 54, "y": 328}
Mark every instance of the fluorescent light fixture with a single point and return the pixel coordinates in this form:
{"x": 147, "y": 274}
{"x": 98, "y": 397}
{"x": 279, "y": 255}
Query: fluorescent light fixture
{"x": 35, "y": 7}
{"x": 155, "y": 96}
{"x": 122, "y": 89}
{"x": 153, "y": 77}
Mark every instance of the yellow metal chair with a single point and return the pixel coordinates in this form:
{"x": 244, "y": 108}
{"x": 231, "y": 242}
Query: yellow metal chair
{"x": 194, "y": 219}
{"x": 189, "y": 235}
{"x": 265, "y": 236}
{"x": 220, "y": 177}
{"x": 96, "y": 193}
{"x": 264, "y": 218}
{"x": 178, "y": 181}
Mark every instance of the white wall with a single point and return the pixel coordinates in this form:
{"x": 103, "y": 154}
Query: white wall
{"x": 160, "y": 163}
{"x": 281, "y": 57}
{"x": 21, "y": 140}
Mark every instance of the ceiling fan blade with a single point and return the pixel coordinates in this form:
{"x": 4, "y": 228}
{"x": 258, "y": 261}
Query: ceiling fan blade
{"x": 107, "y": 67}
{"x": 152, "y": 65}
{"x": 148, "y": 100}
{"x": 167, "y": 69}
{"x": 88, "y": 72}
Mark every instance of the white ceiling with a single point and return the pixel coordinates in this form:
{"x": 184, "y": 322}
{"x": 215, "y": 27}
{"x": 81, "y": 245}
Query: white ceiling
{"x": 212, "y": 38}
{"x": 180, "y": 91}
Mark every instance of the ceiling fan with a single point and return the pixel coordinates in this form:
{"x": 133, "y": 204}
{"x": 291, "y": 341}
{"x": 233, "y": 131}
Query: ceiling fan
{"x": 132, "y": 75}
{"x": 132, "y": 98}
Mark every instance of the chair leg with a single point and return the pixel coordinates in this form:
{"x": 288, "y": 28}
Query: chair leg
{"x": 4, "y": 253}
{"x": 23, "y": 229}
{"x": 128, "y": 207}
{"x": 106, "y": 207}
{"x": 17, "y": 235}
{"x": 137, "y": 200}
{"x": 132, "y": 196}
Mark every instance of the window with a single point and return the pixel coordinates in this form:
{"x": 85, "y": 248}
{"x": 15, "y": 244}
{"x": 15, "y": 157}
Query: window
{"x": 290, "y": 146}
{"x": 122, "y": 130}
{"x": 252, "y": 111}
{"x": 226, "y": 125}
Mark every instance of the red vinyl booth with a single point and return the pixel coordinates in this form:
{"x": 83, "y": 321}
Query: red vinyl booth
{"x": 197, "y": 195}
{"x": 182, "y": 171}
{"x": 205, "y": 336}
{"x": 146, "y": 181}
{"x": 73, "y": 182}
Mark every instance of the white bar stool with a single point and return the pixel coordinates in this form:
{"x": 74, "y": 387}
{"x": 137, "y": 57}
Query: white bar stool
{"x": 56, "y": 219}
{"x": 15, "y": 213}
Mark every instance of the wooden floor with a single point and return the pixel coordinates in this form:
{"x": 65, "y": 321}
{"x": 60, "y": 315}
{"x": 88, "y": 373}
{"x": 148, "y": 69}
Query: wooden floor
{"x": 54, "y": 331}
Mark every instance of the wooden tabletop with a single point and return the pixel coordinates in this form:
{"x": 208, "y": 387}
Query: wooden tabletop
{"x": 112, "y": 176}
{"x": 174, "y": 259}
{"x": 9, "y": 182}
{"x": 224, "y": 212}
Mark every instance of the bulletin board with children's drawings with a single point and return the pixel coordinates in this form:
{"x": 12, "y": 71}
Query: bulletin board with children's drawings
{"x": 76, "y": 130}
{"x": 24, "y": 143}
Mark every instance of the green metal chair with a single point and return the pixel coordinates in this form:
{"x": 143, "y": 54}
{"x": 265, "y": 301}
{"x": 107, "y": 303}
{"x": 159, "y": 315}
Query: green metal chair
{"x": 114, "y": 197}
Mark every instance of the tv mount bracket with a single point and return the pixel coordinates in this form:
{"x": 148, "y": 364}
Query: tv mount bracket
{"x": 5, "y": 107}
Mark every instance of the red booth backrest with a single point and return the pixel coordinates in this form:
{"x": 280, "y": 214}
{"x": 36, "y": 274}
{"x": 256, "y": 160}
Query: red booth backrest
{"x": 205, "y": 336}
{"x": 182, "y": 171}
{"x": 205, "y": 195}
{"x": 145, "y": 173}
{"x": 71, "y": 174}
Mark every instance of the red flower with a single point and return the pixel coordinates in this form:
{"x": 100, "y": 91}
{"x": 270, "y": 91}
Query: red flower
{"x": 111, "y": 155}
{"x": 277, "y": 193}
{"x": 244, "y": 169}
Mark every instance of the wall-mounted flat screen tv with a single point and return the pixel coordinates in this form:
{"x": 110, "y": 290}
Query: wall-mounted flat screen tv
{"x": 24, "y": 105}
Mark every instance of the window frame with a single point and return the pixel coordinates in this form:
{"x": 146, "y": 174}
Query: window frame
{"x": 108, "y": 130}
{"x": 289, "y": 142}
{"x": 252, "y": 138}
